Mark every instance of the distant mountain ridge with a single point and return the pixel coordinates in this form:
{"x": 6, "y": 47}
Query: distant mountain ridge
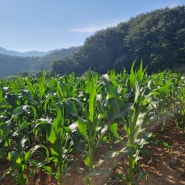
{"x": 4, "y": 51}
{"x": 12, "y": 65}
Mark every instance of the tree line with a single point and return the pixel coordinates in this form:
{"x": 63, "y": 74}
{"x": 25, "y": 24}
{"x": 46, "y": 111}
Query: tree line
{"x": 156, "y": 37}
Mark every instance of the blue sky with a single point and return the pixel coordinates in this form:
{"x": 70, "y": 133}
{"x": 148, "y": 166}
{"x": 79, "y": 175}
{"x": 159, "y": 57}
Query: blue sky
{"x": 44, "y": 25}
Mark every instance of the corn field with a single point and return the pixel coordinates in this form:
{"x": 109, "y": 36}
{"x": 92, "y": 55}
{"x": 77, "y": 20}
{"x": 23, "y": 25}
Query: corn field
{"x": 45, "y": 120}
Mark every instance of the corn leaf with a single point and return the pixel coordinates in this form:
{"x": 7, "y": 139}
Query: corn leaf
{"x": 20, "y": 110}
{"x": 82, "y": 129}
{"x": 41, "y": 85}
{"x": 114, "y": 130}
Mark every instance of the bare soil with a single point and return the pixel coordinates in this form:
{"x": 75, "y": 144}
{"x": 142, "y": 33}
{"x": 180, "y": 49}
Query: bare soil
{"x": 162, "y": 162}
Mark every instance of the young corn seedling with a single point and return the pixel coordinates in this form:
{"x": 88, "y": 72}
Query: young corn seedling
{"x": 91, "y": 126}
{"x": 20, "y": 159}
{"x": 88, "y": 128}
{"x": 61, "y": 146}
{"x": 136, "y": 121}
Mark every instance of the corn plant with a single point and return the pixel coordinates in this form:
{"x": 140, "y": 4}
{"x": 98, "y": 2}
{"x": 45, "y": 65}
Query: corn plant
{"x": 37, "y": 115}
{"x": 20, "y": 159}
{"x": 136, "y": 121}
{"x": 5, "y": 138}
{"x": 91, "y": 125}
{"x": 61, "y": 146}
{"x": 179, "y": 96}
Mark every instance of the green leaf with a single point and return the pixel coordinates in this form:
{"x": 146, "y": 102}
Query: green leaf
{"x": 27, "y": 155}
{"x": 48, "y": 169}
{"x": 52, "y": 138}
{"x": 53, "y": 152}
{"x": 80, "y": 103}
{"x": 19, "y": 110}
{"x": 72, "y": 108}
{"x": 46, "y": 102}
{"x": 41, "y": 85}
{"x": 12, "y": 156}
{"x": 132, "y": 77}
{"x": 164, "y": 89}
{"x": 92, "y": 99}
{"x": 1, "y": 95}
{"x": 30, "y": 86}
{"x": 82, "y": 129}
{"x": 140, "y": 72}
{"x": 18, "y": 160}
{"x": 43, "y": 125}
{"x": 58, "y": 122}
{"x": 123, "y": 111}
{"x": 87, "y": 161}
{"x": 59, "y": 90}
{"x": 9, "y": 156}
{"x": 27, "y": 94}
{"x": 111, "y": 89}
{"x": 34, "y": 111}
{"x": 114, "y": 130}
{"x": 165, "y": 144}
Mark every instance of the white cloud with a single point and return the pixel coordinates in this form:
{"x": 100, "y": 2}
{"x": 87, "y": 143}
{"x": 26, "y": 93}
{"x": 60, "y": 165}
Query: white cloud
{"x": 94, "y": 28}
{"x": 89, "y": 29}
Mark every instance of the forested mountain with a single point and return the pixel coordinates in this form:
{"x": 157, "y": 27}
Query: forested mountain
{"x": 45, "y": 62}
{"x": 157, "y": 38}
{"x": 12, "y": 65}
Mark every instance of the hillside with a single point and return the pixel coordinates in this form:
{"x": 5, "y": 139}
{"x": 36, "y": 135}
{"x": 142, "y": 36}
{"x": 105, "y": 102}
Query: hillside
{"x": 12, "y": 65}
{"x": 4, "y": 51}
{"x": 156, "y": 37}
